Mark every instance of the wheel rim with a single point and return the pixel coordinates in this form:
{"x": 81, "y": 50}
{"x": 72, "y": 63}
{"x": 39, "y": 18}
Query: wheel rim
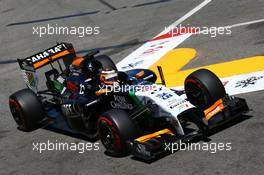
{"x": 107, "y": 136}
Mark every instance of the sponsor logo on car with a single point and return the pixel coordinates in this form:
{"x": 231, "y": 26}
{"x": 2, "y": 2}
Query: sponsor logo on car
{"x": 46, "y": 53}
{"x": 164, "y": 95}
{"x": 180, "y": 104}
{"x": 120, "y": 102}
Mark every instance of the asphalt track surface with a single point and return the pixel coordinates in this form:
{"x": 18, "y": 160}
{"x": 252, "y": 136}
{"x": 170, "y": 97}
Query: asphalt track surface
{"x": 124, "y": 26}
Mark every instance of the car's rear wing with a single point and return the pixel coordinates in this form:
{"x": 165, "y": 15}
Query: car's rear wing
{"x": 61, "y": 50}
{"x": 30, "y": 64}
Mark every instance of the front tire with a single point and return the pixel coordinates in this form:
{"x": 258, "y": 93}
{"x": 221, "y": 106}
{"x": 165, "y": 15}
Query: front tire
{"x": 203, "y": 88}
{"x": 115, "y": 128}
{"x": 26, "y": 109}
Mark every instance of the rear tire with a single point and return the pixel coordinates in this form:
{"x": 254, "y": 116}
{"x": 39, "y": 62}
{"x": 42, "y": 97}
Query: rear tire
{"x": 115, "y": 128}
{"x": 26, "y": 109}
{"x": 203, "y": 88}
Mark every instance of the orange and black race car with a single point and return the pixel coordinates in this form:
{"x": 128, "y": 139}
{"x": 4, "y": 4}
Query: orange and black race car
{"x": 127, "y": 111}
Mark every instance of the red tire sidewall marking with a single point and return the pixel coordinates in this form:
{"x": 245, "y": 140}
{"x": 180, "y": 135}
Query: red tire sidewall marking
{"x": 194, "y": 82}
{"x": 114, "y": 131}
{"x": 19, "y": 109}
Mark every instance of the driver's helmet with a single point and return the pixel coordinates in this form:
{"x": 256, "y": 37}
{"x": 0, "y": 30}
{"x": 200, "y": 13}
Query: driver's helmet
{"x": 108, "y": 76}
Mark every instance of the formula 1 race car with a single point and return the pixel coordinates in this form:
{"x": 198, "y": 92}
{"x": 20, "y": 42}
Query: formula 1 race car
{"x": 129, "y": 112}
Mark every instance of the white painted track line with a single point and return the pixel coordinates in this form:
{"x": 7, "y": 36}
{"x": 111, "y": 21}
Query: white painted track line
{"x": 186, "y": 16}
{"x": 246, "y": 23}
